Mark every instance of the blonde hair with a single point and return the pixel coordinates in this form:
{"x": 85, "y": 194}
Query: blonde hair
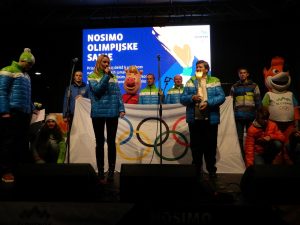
{"x": 98, "y": 63}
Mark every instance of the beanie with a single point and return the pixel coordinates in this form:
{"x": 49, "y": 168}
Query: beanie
{"x": 51, "y": 117}
{"x": 27, "y": 56}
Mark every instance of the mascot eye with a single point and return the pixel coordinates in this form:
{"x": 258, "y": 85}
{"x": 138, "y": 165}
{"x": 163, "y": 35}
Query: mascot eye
{"x": 275, "y": 71}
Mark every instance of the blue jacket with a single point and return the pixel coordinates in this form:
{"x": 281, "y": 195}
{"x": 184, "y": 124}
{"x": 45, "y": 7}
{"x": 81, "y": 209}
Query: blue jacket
{"x": 75, "y": 90}
{"x": 15, "y": 90}
{"x": 215, "y": 97}
{"x": 105, "y": 95}
{"x": 149, "y": 95}
{"x": 246, "y": 99}
{"x": 173, "y": 95}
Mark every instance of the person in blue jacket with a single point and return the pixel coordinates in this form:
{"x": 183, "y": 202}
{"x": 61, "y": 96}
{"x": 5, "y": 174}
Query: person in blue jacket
{"x": 173, "y": 95}
{"x": 15, "y": 114}
{"x": 202, "y": 96}
{"x": 77, "y": 89}
{"x": 151, "y": 94}
{"x": 106, "y": 108}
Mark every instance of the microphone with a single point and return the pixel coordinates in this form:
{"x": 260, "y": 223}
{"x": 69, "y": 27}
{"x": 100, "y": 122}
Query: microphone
{"x": 75, "y": 60}
{"x": 167, "y": 79}
{"x": 109, "y": 72}
{"x": 158, "y": 57}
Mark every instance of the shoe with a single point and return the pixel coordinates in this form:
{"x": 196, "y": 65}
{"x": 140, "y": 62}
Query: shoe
{"x": 110, "y": 175}
{"x": 101, "y": 175}
{"x": 213, "y": 176}
{"x": 8, "y": 178}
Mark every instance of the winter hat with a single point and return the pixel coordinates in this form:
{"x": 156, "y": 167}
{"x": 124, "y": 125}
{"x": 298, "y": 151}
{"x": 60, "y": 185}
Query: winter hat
{"x": 27, "y": 56}
{"x": 51, "y": 117}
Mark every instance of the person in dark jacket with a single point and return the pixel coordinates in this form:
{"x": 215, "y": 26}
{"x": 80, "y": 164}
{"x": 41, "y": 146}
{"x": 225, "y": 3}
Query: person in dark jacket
{"x": 77, "y": 89}
{"x": 15, "y": 114}
{"x": 106, "y": 108}
{"x": 246, "y": 101}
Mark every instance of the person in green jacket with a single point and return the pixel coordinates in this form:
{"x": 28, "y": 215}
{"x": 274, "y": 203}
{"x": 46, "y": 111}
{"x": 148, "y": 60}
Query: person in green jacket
{"x": 49, "y": 145}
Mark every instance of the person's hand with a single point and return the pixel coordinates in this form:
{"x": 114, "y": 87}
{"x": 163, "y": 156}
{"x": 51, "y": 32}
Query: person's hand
{"x": 203, "y": 105}
{"x": 196, "y": 98}
{"x": 122, "y": 114}
{"x": 6, "y": 115}
{"x": 40, "y": 161}
{"x": 78, "y": 96}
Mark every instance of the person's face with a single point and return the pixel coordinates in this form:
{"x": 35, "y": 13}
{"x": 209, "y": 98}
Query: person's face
{"x": 150, "y": 80}
{"x": 104, "y": 63}
{"x": 26, "y": 65}
{"x": 200, "y": 68}
{"x": 78, "y": 77}
{"x": 178, "y": 80}
{"x": 51, "y": 124}
{"x": 243, "y": 74}
{"x": 262, "y": 121}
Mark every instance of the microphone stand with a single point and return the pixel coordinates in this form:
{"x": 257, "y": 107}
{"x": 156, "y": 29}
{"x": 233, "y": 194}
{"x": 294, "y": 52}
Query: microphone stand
{"x": 68, "y": 110}
{"x": 160, "y": 109}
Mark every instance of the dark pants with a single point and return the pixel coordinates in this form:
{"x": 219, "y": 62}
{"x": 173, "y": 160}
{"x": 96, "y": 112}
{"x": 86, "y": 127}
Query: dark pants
{"x": 111, "y": 132}
{"x": 203, "y": 142}
{"x": 14, "y": 140}
{"x": 240, "y": 126}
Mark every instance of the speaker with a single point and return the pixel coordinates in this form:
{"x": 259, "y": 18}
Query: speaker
{"x": 55, "y": 181}
{"x": 167, "y": 182}
{"x": 271, "y": 184}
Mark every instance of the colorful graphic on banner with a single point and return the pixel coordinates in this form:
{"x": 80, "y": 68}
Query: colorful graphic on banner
{"x": 169, "y": 50}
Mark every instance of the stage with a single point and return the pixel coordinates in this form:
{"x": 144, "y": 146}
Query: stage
{"x": 131, "y": 199}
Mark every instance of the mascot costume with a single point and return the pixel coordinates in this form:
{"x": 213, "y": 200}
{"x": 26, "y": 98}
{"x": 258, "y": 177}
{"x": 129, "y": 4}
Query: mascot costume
{"x": 132, "y": 85}
{"x": 281, "y": 102}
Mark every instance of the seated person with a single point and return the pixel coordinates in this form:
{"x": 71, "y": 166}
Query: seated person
{"x": 49, "y": 145}
{"x": 294, "y": 147}
{"x": 264, "y": 140}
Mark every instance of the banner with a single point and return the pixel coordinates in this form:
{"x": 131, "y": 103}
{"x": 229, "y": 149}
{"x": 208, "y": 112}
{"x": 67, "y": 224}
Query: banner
{"x": 143, "y": 138}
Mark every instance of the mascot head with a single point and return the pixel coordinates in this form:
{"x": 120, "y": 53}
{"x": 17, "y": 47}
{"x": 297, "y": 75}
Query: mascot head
{"x": 132, "y": 81}
{"x": 276, "y": 79}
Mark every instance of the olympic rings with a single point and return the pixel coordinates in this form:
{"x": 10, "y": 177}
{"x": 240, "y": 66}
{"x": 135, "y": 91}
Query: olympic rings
{"x": 152, "y": 118}
{"x": 118, "y": 143}
{"x": 178, "y": 157}
{"x": 130, "y": 134}
{"x": 174, "y": 128}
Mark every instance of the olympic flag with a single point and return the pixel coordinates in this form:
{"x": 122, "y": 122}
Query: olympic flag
{"x": 139, "y": 139}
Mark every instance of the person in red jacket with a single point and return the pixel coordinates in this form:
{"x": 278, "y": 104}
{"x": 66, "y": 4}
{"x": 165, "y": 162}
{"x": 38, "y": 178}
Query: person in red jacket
{"x": 264, "y": 140}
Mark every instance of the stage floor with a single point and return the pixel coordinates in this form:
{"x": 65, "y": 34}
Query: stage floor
{"x": 219, "y": 201}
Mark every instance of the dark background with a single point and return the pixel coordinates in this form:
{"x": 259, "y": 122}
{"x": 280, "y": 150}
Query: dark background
{"x": 248, "y": 34}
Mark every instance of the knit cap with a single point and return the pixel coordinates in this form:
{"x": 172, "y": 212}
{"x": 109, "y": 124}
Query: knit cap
{"x": 51, "y": 117}
{"x": 27, "y": 56}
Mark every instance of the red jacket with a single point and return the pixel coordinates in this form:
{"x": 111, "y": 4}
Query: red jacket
{"x": 255, "y": 132}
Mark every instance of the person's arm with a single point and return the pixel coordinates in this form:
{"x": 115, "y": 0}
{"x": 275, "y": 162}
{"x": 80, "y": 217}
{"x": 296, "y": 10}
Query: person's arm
{"x": 6, "y": 81}
{"x": 62, "y": 152}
